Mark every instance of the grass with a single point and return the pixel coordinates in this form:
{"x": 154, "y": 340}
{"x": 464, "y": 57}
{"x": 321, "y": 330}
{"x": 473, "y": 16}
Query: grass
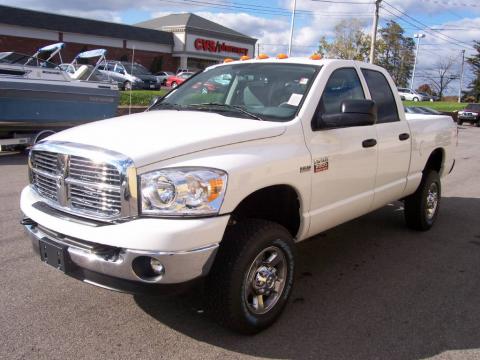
{"x": 140, "y": 97}
{"x": 437, "y": 105}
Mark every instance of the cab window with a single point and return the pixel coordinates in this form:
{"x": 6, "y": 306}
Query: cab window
{"x": 343, "y": 84}
{"x": 382, "y": 95}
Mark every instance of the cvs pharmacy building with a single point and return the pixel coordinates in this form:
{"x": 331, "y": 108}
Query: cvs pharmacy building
{"x": 198, "y": 42}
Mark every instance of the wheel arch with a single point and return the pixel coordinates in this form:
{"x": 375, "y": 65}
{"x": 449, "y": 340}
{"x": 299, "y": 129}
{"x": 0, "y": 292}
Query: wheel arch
{"x": 436, "y": 160}
{"x": 279, "y": 203}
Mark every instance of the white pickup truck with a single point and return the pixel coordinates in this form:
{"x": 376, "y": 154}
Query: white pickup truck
{"x": 220, "y": 178}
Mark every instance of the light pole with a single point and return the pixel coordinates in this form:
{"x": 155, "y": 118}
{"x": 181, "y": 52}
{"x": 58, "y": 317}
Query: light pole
{"x": 292, "y": 25}
{"x": 418, "y": 37}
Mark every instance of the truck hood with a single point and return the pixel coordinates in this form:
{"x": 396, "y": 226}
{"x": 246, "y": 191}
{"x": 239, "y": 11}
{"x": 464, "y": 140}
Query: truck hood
{"x": 154, "y": 136}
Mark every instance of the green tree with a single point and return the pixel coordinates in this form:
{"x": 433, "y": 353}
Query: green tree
{"x": 395, "y": 52}
{"x": 349, "y": 42}
{"x": 474, "y": 61}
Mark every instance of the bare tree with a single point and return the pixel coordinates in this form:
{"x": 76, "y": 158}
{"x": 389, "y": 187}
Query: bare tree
{"x": 442, "y": 75}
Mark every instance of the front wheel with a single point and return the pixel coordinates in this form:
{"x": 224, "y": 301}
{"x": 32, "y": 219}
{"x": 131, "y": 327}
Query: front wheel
{"x": 421, "y": 208}
{"x": 174, "y": 85}
{"x": 477, "y": 124}
{"x": 127, "y": 85}
{"x": 415, "y": 99}
{"x": 252, "y": 277}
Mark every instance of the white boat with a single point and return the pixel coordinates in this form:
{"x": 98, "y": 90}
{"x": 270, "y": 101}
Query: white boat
{"x": 35, "y": 95}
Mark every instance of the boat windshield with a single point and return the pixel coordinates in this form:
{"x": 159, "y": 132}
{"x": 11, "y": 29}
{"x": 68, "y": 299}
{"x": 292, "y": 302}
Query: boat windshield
{"x": 22, "y": 59}
{"x": 263, "y": 91}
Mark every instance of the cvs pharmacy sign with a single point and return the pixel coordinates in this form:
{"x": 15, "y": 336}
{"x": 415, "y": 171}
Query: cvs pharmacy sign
{"x": 218, "y": 47}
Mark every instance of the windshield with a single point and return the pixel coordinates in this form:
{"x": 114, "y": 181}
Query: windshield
{"x": 269, "y": 91}
{"x": 473, "y": 107}
{"x": 136, "y": 69}
{"x": 22, "y": 59}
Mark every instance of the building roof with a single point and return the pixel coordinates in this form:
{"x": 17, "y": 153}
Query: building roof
{"x": 192, "y": 22}
{"x": 63, "y": 23}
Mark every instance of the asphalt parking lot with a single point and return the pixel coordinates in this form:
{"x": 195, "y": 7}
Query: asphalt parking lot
{"x": 369, "y": 289}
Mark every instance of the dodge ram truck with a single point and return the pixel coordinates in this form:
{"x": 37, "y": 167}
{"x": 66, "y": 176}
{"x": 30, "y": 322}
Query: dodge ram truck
{"x": 216, "y": 184}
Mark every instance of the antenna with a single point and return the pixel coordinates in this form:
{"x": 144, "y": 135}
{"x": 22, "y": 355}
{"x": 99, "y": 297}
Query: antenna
{"x": 131, "y": 69}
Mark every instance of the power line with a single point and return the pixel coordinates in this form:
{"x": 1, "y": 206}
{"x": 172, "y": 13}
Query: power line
{"x": 422, "y": 24}
{"x": 432, "y": 33}
{"x": 262, "y": 9}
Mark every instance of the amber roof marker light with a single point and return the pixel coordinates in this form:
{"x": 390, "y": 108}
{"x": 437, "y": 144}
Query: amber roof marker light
{"x": 262, "y": 56}
{"x": 282, "y": 56}
{"x": 245, "y": 57}
{"x": 316, "y": 57}
{"x": 228, "y": 60}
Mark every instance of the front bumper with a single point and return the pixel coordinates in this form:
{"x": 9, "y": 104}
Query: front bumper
{"x": 179, "y": 266}
{"x": 186, "y": 248}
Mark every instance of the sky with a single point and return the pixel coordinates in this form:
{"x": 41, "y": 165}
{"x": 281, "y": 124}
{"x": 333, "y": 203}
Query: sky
{"x": 450, "y": 26}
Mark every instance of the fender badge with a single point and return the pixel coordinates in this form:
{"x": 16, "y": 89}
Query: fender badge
{"x": 305, "y": 168}
{"x": 320, "y": 164}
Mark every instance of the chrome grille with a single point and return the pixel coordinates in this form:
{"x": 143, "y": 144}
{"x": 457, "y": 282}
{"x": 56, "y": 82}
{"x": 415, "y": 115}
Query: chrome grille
{"x": 96, "y": 188}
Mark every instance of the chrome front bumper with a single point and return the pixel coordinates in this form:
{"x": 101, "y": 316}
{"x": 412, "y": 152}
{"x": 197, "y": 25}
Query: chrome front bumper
{"x": 180, "y": 267}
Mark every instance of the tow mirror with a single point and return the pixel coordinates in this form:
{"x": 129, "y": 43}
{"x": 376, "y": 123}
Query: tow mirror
{"x": 353, "y": 113}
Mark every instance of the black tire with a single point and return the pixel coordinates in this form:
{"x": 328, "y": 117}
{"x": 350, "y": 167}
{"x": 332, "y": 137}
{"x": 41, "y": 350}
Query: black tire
{"x": 477, "y": 124}
{"x": 127, "y": 85}
{"x": 416, "y": 99}
{"x": 227, "y": 295}
{"x": 418, "y": 206}
{"x": 459, "y": 122}
{"x": 174, "y": 85}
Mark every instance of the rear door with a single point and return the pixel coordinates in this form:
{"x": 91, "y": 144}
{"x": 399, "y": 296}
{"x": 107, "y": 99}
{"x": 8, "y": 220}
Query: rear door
{"x": 393, "y": 138}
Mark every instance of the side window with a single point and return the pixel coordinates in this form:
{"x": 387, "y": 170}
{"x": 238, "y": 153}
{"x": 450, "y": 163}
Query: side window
{"x": 382, "y": 95}
{"x": 343, "y": 84}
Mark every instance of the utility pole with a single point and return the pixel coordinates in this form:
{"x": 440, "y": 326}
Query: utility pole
{"x": 418, "y": 37}
{"x": 292, "y": 25}
{"x": 461, "y": 78}
{"x": 374, "y": 31}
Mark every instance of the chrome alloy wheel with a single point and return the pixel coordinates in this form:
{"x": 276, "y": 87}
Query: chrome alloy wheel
{"x": 432, "y": 201}
{"x": 265, "y": 280}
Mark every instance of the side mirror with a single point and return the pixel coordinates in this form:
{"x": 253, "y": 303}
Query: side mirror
{"x": 353, "y": 113}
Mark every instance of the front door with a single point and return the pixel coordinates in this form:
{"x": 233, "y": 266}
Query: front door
{"x": 344, "y": 158}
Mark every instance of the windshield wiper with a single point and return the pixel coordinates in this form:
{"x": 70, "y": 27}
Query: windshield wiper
{"x": 166, "y": 105}
{"x": 236, "y": 108}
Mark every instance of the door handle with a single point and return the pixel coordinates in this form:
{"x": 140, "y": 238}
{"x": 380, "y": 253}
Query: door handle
{"x": 403, "y": 136}
{"x": 369, "y": 143}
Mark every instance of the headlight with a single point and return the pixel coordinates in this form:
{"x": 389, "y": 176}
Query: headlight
{"x": 191, "y": 191}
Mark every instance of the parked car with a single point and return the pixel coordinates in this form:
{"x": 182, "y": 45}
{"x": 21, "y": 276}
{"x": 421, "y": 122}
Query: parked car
{"x": 175, "y": 80}
{"x": 129, "y": 76}
{"x": 428, "y": 97}
{"x": 421, "y": 110}
{"x": 162, "y": 77}
{"x": 470, "y": 114}
{"x": 410, "y": 95}
{"x": 182, "y": 70}
{"x": 219, "y": 192}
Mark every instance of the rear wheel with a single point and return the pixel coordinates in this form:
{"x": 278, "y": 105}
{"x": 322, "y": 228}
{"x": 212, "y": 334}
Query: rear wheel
{"x": 174, "y": 84}
{"x": 477, "y": 124}
{"x": 421, "y": 208}
{"x": 459, "y": 122}
{"x": 252, "y": 276}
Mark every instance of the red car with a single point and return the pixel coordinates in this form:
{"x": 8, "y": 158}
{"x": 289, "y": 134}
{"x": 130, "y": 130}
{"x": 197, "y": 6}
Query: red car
{"x": 175, "y": 80}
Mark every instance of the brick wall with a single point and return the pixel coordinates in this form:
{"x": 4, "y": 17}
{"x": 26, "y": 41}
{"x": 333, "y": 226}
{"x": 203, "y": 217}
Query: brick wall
{"x": 29, "y": 46}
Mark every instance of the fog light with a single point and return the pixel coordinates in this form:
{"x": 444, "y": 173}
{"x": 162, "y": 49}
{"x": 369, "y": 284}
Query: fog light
{"x": 157, "y": 266}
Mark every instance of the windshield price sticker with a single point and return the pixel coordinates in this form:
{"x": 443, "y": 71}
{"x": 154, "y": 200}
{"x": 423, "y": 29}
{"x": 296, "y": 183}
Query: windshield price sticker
{"x": 295, "y": 99}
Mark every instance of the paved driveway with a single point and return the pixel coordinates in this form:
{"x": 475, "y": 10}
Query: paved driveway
{"x": 369, "y": 289}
